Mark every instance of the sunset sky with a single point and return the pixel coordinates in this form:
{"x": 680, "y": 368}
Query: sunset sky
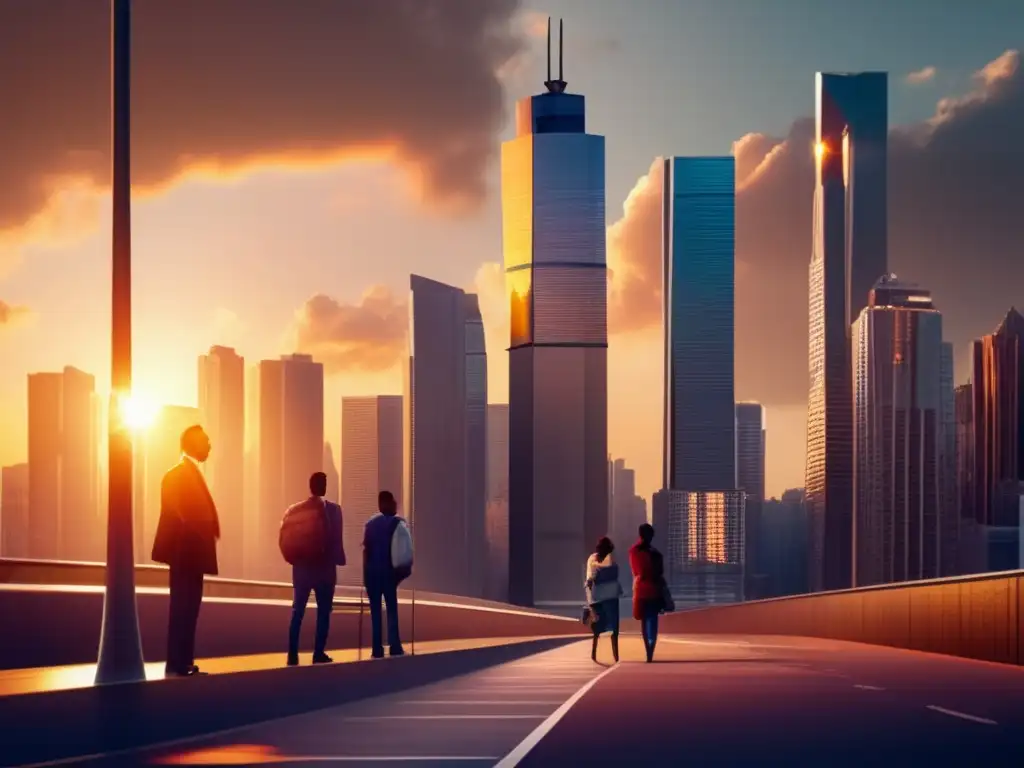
{"x": 294, "y": 162}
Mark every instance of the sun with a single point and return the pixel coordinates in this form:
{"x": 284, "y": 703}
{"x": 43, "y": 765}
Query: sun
{"x": 138, "y": 412}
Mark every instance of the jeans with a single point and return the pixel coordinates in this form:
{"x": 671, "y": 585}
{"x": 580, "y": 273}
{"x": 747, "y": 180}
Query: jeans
{"x": 324, "y": 592}
{"x": 649, "y": 626}
{"x": 186, "y": 597}
{"x": 386, "y": 590}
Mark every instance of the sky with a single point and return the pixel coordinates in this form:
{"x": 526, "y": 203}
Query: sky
{"x": 294, "y": 163}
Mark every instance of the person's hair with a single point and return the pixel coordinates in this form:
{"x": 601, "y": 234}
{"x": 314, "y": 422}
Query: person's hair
{"x": 646, "y": 532}
{"x": 385, "y": 500}
{"x": 318, "y": 484}
{"x": 190, "y": 437}
{"x": 604, "y": 548}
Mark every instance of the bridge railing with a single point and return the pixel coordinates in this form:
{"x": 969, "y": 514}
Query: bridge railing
{"x": 975, "y": 616}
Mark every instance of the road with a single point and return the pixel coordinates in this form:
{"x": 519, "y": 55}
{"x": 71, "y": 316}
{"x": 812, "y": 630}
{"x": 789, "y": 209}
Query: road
{"x": 705, "y": 701}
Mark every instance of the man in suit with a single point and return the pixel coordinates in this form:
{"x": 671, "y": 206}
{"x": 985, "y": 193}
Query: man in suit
{"x": 186, "y": 541}
{"x": 319, "y": 577}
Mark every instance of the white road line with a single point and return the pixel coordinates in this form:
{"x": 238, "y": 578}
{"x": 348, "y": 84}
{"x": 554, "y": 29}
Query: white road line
{"x": 961, "y": 715}
{"x": 868, "y": 687}
{"x": 371, "y": 718}
{"x": 513, "y": 758}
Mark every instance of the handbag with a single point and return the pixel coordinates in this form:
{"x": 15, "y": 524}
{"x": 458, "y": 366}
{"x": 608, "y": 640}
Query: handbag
{"x": 587, "y": 617}
{"x": 667, "y": 603}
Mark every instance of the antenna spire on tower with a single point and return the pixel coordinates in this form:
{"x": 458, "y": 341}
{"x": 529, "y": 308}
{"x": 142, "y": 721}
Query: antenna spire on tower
{"x": 555, "y": 86}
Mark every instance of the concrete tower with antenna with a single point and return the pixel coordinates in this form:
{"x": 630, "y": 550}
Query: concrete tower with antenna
{"x": 553, "y": 208}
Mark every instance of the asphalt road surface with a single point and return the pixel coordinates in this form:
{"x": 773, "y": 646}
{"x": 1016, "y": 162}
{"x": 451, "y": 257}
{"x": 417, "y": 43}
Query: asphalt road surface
{"x": 706, "y": 701}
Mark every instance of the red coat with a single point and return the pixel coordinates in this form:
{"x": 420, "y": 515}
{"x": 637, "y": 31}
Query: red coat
{"x": 646, "y": 577}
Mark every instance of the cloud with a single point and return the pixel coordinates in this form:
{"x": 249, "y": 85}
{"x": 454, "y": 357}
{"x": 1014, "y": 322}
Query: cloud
{"x": 955, "y": 226}
{"x": 221, "y": 87}
{"x": 923, "y": 75}
{"x": 369, "y": 335}
{"x": 12, "y": 314}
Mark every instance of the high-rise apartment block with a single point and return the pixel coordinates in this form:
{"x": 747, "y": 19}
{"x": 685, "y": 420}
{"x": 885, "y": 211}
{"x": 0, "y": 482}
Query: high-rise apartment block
{"x": 371, "y": 461}
{"x": 899, "y": 433}
{"x": 446, "y": 443}
{"x": 699, "y": 513}
{"x": 553, "y": 211}
{"x": 849, "y": 253}
{"x": 222, "y": 415}
{"x": 750, "y": 473}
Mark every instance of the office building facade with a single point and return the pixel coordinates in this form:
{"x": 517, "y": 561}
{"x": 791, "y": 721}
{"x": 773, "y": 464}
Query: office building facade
{"x": 627, "y": 512}
{"x": 14, "y": 511}
{"x": 446, "y": 438}
{"x": 553, "y": 211}
{"x": 750, "y": 473}
{"x": 371, "y": 461}
{"x": 898, "y": 436}
{"x": 849, "y": 253}
{"x": 222, "y": 415}
{"x": 497, "y": 502}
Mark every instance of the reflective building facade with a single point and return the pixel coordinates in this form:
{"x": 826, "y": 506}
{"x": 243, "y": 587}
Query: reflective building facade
{"x": 497, "y": 502}
{"x": 899, "y": 408}
{"x": 849, "y": 253}
{"x": 553, "y": 209}
{"x": 445, "y": 473}
{"x": 750, "y": 472}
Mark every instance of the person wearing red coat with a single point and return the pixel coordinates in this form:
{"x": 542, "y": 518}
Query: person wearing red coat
{"x": 648, "y": 582}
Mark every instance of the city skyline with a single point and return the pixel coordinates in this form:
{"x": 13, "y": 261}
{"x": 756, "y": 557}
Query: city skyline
{"x": 359, "y": 243}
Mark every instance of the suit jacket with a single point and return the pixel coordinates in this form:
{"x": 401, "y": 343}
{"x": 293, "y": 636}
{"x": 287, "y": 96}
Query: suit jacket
{"x": 326, "y": 572}
{"x": 187, "y": 533}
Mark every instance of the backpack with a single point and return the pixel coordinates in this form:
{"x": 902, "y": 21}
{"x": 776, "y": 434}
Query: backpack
{"x": 303, "y": 535}
{"x": 401, "y": 549}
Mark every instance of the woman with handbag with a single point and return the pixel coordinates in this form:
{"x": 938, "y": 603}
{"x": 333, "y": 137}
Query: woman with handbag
{"x": 648, "y": 587}
{"x": 603, "y": 592}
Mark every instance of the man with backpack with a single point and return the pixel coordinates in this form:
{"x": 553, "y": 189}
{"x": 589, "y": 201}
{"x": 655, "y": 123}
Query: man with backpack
{"x": 387, "y": 562}
{"x": 311, "y": 542}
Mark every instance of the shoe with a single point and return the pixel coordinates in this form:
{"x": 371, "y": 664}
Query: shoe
{"x": 190, "y": 672}
{"x": 322, "y": 658}
{"x": 293, "y": 661}
{"x": 378, "y": 653}
{"x": 396, "y": 652}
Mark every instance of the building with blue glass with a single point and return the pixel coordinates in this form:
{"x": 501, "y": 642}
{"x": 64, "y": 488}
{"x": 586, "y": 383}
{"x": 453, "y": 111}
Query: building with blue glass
{"x": 699, "y": 514}
{"x": 553, "y": 210}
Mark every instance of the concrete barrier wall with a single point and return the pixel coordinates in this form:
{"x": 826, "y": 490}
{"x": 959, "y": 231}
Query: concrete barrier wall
{"x": 52, "y": 624}
{"x": 977, "y": 617}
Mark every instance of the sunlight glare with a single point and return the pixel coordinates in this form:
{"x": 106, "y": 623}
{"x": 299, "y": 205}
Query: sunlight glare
{"x": 138, "y": 412}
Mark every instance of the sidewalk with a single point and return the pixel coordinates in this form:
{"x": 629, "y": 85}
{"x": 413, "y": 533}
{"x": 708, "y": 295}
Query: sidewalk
{"x": 14, "y": 682}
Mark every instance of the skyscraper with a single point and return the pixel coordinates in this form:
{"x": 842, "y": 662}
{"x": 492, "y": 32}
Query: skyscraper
{"x": 64, "y": 514}
{"x": 898, "y": 435}
{"x": 949, "y": 511}
{"x": 222, "y": 414}
{"x": 997, "y": 377}
{"x": 333, "y": 477}
{"x": 14, "y": 511}
{"x": 497, "y": 502}
{"x": 446, "y": 448}
{"x": 627, "y": 512}
{"x": 291, "y": 445}
{"x": 371, "y": 461}
{"x": 699, "y": 511}
{"x": 553, "y": 211}
{"x": 849, "y": 253}
{"x": 750, "y": 471}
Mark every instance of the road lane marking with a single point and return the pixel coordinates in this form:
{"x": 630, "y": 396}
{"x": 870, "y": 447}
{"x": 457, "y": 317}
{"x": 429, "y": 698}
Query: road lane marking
{"x": 369, "y": 718}
{"x": 516, "y": 756}
{"x": 867, "y": 687}
{"x": 961, "y": 715}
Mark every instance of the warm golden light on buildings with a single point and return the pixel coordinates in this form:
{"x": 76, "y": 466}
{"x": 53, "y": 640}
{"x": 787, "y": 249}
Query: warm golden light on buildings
{"x": 138, "y": 412}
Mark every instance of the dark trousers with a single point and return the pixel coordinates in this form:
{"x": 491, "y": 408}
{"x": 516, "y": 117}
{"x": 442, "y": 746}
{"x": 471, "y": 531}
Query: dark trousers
{"x": 386, "y": 590}
{"x": 649, "y": 626}
{"x": 324, "y": 593}
{"x": 183, "y": 613}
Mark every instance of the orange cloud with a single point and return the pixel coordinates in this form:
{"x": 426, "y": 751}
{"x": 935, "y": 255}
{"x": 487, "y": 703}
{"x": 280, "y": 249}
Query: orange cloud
{"x": 219, "y": 88}
{"x": 12, "y": 314}
{"x": 954, "y": 226}
{"x": 369, "y": 335}
{"x": 923, "y": 75}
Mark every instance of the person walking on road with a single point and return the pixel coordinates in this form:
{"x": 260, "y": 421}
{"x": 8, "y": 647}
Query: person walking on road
{"x": 186, "y": 541}
{"x": 387, "y": 562}
{"x": 311, "y": 540}
{"x": 603, "y": 593}
{"x": 648, "y": 587}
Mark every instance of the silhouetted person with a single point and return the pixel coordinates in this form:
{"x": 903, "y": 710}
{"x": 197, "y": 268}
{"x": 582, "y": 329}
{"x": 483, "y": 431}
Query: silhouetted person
{"x": 603, "y": 593}
{"x": 387, "y": 561}
{"x": 186, "y": 540}
{"x": 317, "y": 572}
{"x": 648, "y": 587}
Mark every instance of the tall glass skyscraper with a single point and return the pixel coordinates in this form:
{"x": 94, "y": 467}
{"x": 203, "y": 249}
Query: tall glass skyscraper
{"x": 553, "y": 207}
{"x": 899, "y": 451}
{"x": 699, "y": 514}
{"x": 849, "y": 255}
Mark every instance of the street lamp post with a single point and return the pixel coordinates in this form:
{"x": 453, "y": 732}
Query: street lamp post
{"x": 120, "y": 652}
